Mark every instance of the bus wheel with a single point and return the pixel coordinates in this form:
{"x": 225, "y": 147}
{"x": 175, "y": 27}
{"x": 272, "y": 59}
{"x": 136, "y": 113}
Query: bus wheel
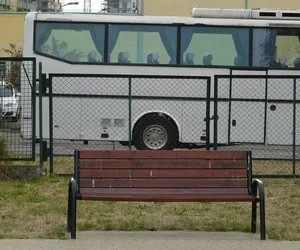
{"x": 155, "y": 133}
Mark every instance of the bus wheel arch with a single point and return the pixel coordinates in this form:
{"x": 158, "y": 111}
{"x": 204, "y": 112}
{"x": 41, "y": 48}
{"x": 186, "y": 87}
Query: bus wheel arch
{"x": 155, "y": 131}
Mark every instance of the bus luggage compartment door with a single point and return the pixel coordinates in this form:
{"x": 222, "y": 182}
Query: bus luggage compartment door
{"x": 280, "y": 123}
{"x": 247, "y": 110}
{"x": 247, "y": 122}
{"x": 280, "y": 110}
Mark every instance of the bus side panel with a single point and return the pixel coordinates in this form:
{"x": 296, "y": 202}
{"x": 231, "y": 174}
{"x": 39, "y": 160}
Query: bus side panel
{"x": 176, "y": 97}
{"x": 67, "y": 120}
{"x": 222, "y": 123}
{"x": 104, "y": 119}
{"x": 45, "y": 118}
{"x": 223, "y": 94}
{"x": 251, "y": 89}
{"x": 194, "y": 111}
{"x": 193, "y": 122}
{"x": 281, "y": 89}
{"x": 87, "y": 108}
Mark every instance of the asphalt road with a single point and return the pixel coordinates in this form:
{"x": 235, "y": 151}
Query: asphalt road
{"x": 23, "y": 147}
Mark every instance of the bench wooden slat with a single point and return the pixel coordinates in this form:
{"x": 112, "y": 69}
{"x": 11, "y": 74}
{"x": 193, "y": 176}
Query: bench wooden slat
{"x": 163, "y": 154}
{"x": 162, "y": 173}
{"x": 133, "y": 194}
{"x": 169, "y": 183}
{"x": 161, "y": 163}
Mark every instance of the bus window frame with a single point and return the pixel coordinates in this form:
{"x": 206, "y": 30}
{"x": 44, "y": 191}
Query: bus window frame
{"x": 179, "y": 27}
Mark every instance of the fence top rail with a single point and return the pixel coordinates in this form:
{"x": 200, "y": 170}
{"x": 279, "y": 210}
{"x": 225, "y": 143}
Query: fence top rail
{"x": 128, "y": 76}
{"x": 258, "y": 76}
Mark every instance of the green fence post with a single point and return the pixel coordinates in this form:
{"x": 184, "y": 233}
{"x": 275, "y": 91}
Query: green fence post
{"x": 51, "y": 124}
{"x": 33, "y": 97}
{"x": 129, "y": 113}
{"x": 294, "y": 128}
{"x": 41, "y": 112}
{"x": 215, "y": 113}
{"x": 208, "y": 113}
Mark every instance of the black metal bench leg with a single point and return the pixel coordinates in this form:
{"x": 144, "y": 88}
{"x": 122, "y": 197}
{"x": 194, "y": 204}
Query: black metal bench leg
{"x": 254, "y": 216}
{"x": 262, "y": 219}
{"x": 69, "y": 208}
{"x": 73, "y": 203}
{"x": 73, "y": 216}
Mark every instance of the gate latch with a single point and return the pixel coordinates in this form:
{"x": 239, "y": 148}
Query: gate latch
{"x": 211, "y": 118}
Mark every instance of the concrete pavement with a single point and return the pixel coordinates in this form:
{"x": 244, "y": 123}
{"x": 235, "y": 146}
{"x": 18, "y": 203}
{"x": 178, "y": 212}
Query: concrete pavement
{"x": 154, "y": 240}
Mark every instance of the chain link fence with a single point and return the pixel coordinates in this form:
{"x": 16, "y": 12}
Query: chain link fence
{"x": 17, "y": 116}
{"x": 113, "y": 112}
{"x": 125, "y": 112}
{"x": 258, "y": 113}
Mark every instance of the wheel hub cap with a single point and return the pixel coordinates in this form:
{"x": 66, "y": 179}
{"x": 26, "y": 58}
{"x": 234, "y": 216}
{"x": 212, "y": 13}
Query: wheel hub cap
{"x": 155, "y": 137}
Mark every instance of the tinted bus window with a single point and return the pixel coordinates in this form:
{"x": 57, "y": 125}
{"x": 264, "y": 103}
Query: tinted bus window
{"x": 70, "y": 41}
{"x": 276, "y": 48}
{"x": 215, "y": 46}
{"x": 144, "y": 44}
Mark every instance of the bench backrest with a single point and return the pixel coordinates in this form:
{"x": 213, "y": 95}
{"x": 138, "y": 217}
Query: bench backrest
{"x": 163, "y": 169}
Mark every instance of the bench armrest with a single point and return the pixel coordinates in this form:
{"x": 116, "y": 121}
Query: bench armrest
{"x": 257, "y": 184}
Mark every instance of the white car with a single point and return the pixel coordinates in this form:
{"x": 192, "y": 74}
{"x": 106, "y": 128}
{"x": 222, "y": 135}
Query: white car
{"x": 9, "y": 102}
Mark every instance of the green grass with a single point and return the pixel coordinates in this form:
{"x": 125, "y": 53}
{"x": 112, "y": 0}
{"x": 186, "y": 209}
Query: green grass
{"x": 37, "y": 209}
{"x": 268, "y": 167}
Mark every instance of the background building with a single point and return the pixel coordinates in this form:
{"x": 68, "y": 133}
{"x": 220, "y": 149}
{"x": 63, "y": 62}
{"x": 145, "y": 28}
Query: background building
{"x": 48, "y": 5}
{"x": 17, "y": 5}
{"x": 183, "y": 8}
{"x": 119, "y": 6}
{"x": 28, "y": 5}
{"x": 11, "y": 28}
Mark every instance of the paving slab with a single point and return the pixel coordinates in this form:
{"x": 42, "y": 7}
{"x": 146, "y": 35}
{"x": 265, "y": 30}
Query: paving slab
{"x": 153, "y": 240}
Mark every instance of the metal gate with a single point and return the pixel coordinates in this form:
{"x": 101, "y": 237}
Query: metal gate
{"x": 259, "y": 113}
{"x": 100, "y": 111}
{"x": 17, "y": 108}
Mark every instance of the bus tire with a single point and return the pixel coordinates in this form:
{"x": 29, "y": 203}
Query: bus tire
{"x": 155, "y": 133}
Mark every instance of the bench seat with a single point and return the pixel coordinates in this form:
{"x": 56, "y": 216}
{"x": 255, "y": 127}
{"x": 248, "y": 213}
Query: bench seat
{"x": 166, "y": 194}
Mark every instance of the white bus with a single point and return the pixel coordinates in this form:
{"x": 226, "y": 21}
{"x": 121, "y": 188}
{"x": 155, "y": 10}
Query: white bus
{"x": 212, "y": 42}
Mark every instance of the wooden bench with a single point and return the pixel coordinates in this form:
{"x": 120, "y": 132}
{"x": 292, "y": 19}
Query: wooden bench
{"x": 165, "y": 176}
